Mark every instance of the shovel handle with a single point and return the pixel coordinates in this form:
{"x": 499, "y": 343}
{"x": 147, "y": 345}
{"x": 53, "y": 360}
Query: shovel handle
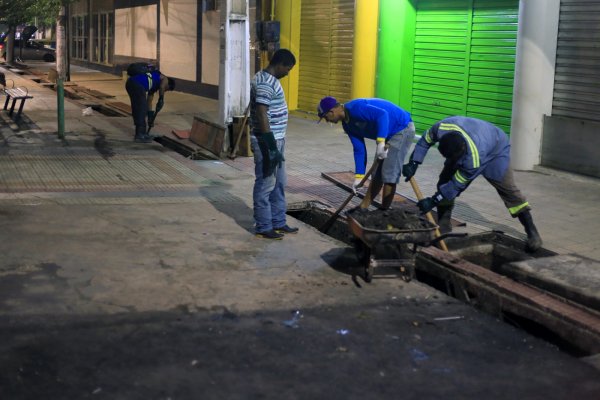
{"x": 331, "y": 219}
{"x": 428, "y": 215}
{"x": 233, "y": 153}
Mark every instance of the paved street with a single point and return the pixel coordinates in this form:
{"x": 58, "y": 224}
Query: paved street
{"x": 131, "y": 272}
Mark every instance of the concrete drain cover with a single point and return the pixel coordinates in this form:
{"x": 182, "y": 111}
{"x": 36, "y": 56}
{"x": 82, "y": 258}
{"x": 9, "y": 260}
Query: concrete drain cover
{"x": 93, "y": 173}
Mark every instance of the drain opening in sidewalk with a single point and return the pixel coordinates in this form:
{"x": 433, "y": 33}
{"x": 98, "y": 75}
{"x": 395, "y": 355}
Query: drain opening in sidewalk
{"x": 490, "y": 250}
{"x": 109, "y": 112}
{"x": 184, "y": 150}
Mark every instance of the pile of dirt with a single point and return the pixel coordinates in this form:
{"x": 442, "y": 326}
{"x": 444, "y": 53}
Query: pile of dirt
{"x": 393, "y": 219}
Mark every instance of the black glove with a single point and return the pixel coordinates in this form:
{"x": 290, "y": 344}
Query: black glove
{"x": 409, "y": 169}
{"x": 160, "y": 103}
{"x": 428, "y": 203}
{"x": 151, "y": 116}
{"x": 271, "y": 155}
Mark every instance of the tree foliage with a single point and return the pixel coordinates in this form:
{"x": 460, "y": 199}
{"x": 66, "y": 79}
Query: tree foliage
{"x": 16, "y": 12}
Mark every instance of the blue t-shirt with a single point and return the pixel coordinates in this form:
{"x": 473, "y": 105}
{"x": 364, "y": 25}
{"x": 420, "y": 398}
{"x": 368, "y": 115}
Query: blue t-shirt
{"x": 265, "y": 89}
{"x": 150, "y": 81}
{"x": 372, "y": 119}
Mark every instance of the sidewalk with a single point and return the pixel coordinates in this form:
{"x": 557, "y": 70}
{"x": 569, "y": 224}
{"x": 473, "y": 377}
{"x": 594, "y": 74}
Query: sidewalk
{"x": 131, "y": 272}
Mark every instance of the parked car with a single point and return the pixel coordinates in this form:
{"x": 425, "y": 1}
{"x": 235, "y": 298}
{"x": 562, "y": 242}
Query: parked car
{"x": 30, "y": 51}
{"x": 26, "y": 49}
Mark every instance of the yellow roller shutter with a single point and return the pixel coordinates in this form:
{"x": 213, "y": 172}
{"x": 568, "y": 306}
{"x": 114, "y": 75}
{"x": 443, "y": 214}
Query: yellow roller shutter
{"x": 325, "y": 60}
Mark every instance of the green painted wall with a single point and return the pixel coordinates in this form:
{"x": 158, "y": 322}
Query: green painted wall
{"x": 395, "y": 51}
{"x": 448, "y": 57}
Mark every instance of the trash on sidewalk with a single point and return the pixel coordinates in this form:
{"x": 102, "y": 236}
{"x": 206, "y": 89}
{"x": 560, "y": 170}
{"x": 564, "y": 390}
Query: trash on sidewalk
{"x": 449, "y": 318}
{"x": 87, "y": 111}
{"x": 343, "y": 332}
{"x": 181, "y": 134}
{"x": 293, "y": 323}
{"x": 418, "y": 355}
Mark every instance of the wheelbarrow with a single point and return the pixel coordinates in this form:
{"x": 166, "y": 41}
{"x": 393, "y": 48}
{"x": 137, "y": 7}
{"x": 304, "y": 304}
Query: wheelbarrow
{"x": 368, "y": 240}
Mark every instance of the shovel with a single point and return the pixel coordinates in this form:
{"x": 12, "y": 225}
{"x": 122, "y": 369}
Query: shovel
{"x": 233, "y": 153}
{"x": 428, "y": 215}
{"x": 151, "y": 124}
{"x": 332, "y": 219}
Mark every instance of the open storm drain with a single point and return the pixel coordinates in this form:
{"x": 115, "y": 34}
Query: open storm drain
{"x": 548, "y": 295}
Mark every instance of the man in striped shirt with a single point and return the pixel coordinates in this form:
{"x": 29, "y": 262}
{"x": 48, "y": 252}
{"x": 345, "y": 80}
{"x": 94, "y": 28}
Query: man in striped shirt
{"x": 269, "y": 116}
{"x": 471, "y": 147}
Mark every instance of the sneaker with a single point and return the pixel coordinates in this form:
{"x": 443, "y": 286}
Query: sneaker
{"x": 270, "y": 235}
{"x": 143, "y": 139}
{"x": 286, "y": 229}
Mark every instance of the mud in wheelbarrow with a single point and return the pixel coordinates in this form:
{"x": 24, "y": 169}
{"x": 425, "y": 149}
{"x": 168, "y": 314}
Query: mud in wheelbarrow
{"x": 389, "y": 238}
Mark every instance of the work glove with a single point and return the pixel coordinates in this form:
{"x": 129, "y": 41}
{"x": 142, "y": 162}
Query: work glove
{"x": 271, "y": 155}
{"x": 160, "y": 103}
{"x": 381, "y": 150}
{"x": 409, "y": 169}
{"x": 151, "y": 116}
{"x": 428, "y": 203}
{"x": 357, "y": 180}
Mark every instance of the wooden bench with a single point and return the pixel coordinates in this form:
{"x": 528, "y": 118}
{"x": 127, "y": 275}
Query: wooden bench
{"x": 14, "y": 94}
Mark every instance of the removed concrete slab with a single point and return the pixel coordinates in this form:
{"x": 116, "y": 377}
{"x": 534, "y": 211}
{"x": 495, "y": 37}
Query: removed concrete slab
{"x": 568, "y": 275}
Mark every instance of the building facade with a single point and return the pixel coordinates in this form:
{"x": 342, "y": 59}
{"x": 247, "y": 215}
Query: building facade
{"x": 528, "y": 66}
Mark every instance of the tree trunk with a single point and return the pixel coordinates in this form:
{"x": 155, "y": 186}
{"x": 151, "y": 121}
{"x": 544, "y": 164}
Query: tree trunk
{"x": 61, "y": 42}
{"x": 10, "y": 45}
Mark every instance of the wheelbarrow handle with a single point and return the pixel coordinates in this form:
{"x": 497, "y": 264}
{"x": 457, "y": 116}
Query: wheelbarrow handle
{"x": 447, "y": 235}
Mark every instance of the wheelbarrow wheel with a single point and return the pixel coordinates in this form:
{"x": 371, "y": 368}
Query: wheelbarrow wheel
{"x": 363, "y": 252}
{"x": 369, "y": 272}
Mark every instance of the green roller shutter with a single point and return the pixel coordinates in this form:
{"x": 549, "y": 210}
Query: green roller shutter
{"x": 325, "y": 60}
{"x": 464, "y": 60}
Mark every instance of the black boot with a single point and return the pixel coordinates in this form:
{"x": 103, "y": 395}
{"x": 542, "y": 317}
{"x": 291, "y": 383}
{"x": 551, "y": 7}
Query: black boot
{"x": 534, "y": 241}
{"x": 444, "y": 214}
{"x": 141, "y": 136}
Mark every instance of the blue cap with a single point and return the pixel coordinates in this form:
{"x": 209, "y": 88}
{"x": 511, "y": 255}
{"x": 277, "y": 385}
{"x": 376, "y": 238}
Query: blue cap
{"x": 325, "y": 105}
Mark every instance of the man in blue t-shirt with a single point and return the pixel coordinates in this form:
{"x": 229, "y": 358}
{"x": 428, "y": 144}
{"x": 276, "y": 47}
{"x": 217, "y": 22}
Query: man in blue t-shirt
{"x": 269, "y": 117}
{"x": 380, "y": 120}
{"x": 141, "y": 89}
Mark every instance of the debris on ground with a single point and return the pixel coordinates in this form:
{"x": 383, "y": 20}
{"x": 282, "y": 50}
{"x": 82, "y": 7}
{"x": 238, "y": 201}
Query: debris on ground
{"x": 392, "y": 219}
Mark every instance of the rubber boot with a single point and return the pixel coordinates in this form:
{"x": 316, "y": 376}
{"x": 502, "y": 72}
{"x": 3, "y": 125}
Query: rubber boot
{"x": 444, "y": 214}
{"x": 141, "y": 136}
{"x": 534, "y": 241}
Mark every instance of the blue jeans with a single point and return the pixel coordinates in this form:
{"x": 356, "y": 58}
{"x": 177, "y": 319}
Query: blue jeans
{"x": 269, "y": 192}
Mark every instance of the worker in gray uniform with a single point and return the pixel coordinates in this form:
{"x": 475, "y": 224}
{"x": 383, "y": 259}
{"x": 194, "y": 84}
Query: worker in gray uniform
{"x": 471, "y": 147}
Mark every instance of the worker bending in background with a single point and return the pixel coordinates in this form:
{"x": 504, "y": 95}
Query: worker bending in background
{"x": 141, "y": 87}
{"x": 471, "y": 147}
{"x": 380, "y": 120}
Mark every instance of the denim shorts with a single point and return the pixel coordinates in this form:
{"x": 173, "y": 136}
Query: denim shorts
{"x": 400, "y": 144}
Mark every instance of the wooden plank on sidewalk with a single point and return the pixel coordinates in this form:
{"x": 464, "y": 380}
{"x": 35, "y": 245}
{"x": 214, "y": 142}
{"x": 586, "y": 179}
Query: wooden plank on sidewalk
{"x": 119, "y": 105}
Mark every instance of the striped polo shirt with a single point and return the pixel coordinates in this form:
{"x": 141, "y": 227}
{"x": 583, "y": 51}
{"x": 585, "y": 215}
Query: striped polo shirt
{"x": 265, "y": 89}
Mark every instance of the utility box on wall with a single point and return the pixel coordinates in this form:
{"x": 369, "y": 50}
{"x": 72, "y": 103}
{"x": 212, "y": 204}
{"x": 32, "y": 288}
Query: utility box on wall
{"x": 268, "y": 33}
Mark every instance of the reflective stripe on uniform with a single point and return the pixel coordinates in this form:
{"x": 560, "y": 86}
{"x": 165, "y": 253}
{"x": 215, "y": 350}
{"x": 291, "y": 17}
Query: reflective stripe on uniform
{"x": 515, "y": 210}
{"x": 150, "y": 82}
{"x": 474, "y": 152}
{"x": 428, "y": 137}
{"x": 460, "y": 178}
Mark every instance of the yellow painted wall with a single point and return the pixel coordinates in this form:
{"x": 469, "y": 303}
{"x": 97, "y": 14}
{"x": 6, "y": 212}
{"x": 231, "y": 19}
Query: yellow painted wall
{"x": 364, "y": 53}
{"x": 288, "y": 14}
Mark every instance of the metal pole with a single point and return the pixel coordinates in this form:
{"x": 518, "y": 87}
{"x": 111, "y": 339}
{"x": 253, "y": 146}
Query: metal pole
{"x": 60, "y": 106}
